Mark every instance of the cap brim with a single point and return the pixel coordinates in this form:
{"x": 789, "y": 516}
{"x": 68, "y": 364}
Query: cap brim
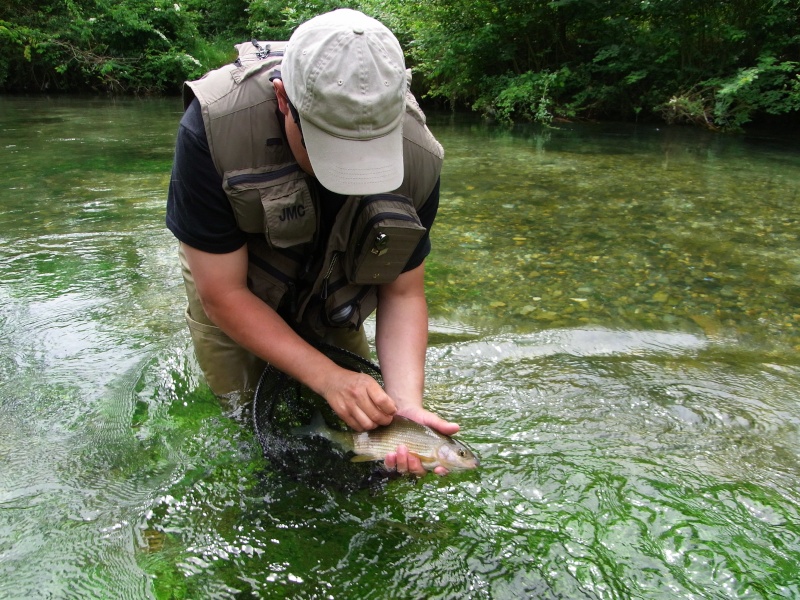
{"x": 355, "y": 167}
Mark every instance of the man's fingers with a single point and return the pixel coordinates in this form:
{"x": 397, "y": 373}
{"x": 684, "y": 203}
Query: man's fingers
{"x": 439, "y": 424}
{"x": 373, "y": 407}
{"x": 403, "y": 462}
{"x": 426, "y": 417}
{"x": 401, "y": 459}
{"x": 390, "y": 461}
{"x": 360, "y": 401}
{"x": 367, "y": 422}
{"x": 366, "y": 417}
{"x": 382, "y": 402}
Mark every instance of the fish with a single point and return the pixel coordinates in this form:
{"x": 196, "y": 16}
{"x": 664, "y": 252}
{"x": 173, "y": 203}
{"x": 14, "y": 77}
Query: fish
{"x": 431, "y": 447}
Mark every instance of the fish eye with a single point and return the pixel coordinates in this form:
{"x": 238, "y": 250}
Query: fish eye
{"x": 462, "y": 453}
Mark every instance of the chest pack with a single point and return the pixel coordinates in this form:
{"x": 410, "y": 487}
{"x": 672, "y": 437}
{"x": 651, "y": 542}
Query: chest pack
{"x": 385, "y": 232}
{"x": 370, "y": 243}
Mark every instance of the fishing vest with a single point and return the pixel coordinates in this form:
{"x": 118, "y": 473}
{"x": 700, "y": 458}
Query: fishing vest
{"x": 314, "y": 282}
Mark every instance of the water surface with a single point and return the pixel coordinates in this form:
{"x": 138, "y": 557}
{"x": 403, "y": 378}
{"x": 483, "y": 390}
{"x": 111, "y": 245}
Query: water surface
{"x": 615, "y": 325}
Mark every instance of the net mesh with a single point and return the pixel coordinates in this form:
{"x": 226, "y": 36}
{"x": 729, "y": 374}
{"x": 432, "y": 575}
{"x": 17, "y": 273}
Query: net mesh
{"x": 282, "y": 404}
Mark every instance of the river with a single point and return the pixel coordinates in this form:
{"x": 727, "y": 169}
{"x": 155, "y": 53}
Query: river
{"x": 615, "y": 323}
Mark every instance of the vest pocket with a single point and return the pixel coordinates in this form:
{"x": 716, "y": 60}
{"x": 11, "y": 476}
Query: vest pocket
{"x": 272, "y": 274}
{"x": 275, "y": 201}
{"x": 342, "y": 305}
{"x": 289, "y": 215}
{"x": 350, "y": 305}
{"x": 385, "y": 232}
{"x": 337, "y": 303}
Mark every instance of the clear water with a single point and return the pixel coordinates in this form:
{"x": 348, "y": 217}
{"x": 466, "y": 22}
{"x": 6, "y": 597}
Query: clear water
{"x": 615, "y": 324}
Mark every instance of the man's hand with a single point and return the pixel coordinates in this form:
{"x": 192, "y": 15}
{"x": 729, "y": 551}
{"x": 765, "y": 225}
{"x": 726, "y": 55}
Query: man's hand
{"x": 404, "y": 462}
{"x": 359, "y": 400}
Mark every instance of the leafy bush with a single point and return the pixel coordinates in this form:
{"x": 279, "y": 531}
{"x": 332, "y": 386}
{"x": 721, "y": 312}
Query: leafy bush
{"x": 276, "y": 20}
{"x": 130, "y": 46}
{"x": 728, "y": 103}
{"x": 529, "y": 96}
{"x": 719, "y": 63}
{"x": 220, "y": 18}
{"x": 677, "y": 59}
{"x": 770, "y": 87}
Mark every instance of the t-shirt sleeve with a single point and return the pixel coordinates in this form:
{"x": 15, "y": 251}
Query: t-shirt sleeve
{"x": 198, "y": 211}
{"x": 427, "y": 214}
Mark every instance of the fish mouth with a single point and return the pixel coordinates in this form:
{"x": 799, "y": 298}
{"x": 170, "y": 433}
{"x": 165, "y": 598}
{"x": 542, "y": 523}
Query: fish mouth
{"x": 460, "y": 468}
{"x": 476, "y": 461}
{"x": 465, "y": 465}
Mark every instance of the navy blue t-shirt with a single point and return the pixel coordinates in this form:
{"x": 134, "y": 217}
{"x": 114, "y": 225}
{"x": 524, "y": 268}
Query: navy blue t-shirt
{"x": 200, "y": 215}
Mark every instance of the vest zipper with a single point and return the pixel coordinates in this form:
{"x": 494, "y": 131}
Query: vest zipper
{"x": 324, "y": 292}
{"x": 253, "y": 178}
{"x": 367, "y": 200}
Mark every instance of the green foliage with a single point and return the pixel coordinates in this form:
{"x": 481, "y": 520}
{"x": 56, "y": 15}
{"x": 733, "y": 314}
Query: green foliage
{"x": 529, "y": 96}
{"x": 217, "y": 18}
{"x": 615, "y": 59}
{"x": 139, "y": 46}
{"x": 771, "y": 86}
{"x": 275, "y": 20}
{"x": 719, "y": 64}
{"x": 728, "y": 103}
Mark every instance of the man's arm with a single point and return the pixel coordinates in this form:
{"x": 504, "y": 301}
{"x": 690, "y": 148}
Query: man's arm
{"x": 221, "y": 281}
{"x": 402, "y": 340}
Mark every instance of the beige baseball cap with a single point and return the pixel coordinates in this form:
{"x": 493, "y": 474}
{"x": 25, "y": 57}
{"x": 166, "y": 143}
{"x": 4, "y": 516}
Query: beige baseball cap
{"x": 345, "y": 74}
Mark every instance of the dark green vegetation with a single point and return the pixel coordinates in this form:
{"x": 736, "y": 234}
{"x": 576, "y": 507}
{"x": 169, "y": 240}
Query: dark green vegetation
{"x": 718, "y": 64}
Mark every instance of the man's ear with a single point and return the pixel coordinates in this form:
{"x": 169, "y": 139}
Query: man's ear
{"x": 283, "y": 98}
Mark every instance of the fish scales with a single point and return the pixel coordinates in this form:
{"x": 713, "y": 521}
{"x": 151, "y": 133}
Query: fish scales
{"x": 432, "y": 448}
{"x": 379, "y": 442}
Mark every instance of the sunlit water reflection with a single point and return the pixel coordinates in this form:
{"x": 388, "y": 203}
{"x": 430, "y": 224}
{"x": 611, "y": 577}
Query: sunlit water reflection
{"x": 615, "y": 327}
